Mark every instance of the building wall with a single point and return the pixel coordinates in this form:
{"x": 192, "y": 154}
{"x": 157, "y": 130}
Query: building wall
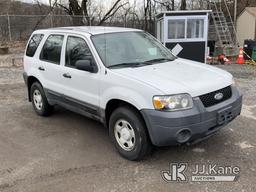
{"x": 191, "y": 50}
{"x": 246, "y": 27}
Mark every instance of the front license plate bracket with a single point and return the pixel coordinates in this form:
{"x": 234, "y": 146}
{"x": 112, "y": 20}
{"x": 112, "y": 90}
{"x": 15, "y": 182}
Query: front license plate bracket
{"x": 224, "y": 116}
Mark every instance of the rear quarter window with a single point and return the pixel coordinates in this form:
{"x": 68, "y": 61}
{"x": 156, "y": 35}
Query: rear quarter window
{"x": 33, "y": 44}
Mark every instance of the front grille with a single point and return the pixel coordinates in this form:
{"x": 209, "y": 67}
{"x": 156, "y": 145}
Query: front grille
{"x": 208, "y": 99}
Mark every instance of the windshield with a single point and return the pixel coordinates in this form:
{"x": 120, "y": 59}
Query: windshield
{"x": 130, "y": 48}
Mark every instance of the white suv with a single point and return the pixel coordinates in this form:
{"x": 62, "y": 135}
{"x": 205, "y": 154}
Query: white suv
{"x": 130, "y": 82}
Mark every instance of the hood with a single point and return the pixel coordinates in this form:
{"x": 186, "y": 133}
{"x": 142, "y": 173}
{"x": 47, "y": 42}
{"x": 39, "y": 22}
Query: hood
{"x": 180, "y": 76}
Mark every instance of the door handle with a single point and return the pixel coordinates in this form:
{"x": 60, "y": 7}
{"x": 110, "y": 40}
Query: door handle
{"x": 67, "y": 75}
{"x": 41, "y": 68}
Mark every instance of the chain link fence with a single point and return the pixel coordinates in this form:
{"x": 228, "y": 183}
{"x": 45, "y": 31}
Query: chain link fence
{"x": 20, "y": 27}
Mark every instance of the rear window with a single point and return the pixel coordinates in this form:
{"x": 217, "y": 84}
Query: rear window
{"x": 33, "y": 44}
{"x": 52, "y": 49}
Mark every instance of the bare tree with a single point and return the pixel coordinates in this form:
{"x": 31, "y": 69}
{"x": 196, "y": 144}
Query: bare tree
{"x": 75, "y": 8}
{"x": 169, "y": 5}
{"x": 147, "y": 13}
{"x": 183, "y": 5}
{"x": 112, "y": 11}
{"x": 52, "y": 4}
{"x": 150, "y": 9}
{"x": 125, "y": 15}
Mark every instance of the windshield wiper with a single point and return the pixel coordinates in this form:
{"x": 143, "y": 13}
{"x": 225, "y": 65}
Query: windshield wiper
{"x": 131, "y": 64}
{"x": 139, "y": 64}
{"x": 158, "y": 60}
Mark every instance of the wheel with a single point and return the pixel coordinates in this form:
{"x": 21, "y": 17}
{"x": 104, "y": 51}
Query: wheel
{"x": 128, "y": 132}
{"x": 39, "y": 100}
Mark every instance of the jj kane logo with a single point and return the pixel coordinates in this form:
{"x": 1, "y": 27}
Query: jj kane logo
{"x": 176, "y": 172}
{"x": 201, "y": 173}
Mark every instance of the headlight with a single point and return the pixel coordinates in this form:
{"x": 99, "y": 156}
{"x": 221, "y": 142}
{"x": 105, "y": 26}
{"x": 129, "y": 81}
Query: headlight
{"x": 173, "y": 102}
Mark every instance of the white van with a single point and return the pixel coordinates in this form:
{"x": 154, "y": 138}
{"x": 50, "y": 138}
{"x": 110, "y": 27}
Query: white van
{"x": 131, "y": 83}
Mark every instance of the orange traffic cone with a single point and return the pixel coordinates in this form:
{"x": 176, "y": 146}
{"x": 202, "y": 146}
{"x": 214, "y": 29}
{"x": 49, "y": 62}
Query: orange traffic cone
{"x": 240, "y": 60}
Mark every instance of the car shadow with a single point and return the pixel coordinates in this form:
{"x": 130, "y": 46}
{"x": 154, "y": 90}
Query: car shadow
{"x": 211, "y": 149}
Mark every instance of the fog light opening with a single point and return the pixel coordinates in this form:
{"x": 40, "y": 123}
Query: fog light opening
{"x": 183, "y": 136}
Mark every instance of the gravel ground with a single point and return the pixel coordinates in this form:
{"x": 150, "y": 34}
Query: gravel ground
{"x": 68, "y": 152}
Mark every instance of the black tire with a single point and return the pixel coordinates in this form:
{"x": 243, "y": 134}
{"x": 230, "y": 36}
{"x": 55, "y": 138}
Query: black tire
{"x": 142, "y": 146}
{"x": 46, "y": 108}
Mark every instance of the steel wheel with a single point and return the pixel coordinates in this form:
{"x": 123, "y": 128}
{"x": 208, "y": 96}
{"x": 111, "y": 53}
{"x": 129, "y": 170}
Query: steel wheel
{"x": 124, "y": 135}
{"x": 37, "y": 99}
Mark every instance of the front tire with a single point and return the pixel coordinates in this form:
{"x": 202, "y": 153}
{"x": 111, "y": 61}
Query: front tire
{"x": 128, "y": 132}
{"x": 39, "y": 100}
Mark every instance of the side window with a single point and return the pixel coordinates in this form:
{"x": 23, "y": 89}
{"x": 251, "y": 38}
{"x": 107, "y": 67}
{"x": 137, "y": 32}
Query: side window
{"x": 195, "y": 28}
{"x": 52, "y": 49}
{"x": 33, "y": 44}
{"x": 176, "y": 28}
{"x": 77, "y": 49}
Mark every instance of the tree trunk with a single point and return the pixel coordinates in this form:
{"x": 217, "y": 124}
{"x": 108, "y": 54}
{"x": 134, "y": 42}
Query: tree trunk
{"x": 76, "y": 11}
{"x": 183, "y": 5}
{"x": 84, "y": 6}
{"x": 173, "y": 3}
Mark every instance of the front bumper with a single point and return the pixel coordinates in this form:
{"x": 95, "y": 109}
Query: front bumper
{"x": 193, "y": 125}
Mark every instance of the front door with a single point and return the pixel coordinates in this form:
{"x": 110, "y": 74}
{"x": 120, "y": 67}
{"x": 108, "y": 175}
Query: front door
{"x": 81, "y": 87}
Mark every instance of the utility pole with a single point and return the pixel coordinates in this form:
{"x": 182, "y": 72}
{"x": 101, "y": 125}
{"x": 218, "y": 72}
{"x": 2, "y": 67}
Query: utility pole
{"x": 51, "y": 19}
{"x": 9, "y": 21}
{"x": 235, "y": 12}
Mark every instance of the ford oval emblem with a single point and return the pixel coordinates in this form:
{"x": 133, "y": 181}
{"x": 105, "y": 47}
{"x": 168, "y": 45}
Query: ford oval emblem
{"x": 218, "y": 96}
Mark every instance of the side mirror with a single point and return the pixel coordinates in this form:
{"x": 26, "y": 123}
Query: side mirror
{"x": 85, "y": 65}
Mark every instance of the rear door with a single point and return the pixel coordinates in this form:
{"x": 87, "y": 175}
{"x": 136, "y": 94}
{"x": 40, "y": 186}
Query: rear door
{"x": 50, "y": 66}
{"x": 81, "y": 87}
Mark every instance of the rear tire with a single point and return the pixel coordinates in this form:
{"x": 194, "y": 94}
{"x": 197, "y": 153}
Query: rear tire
{"x": 128, "y": 133}
{"x": 39, "y": 100}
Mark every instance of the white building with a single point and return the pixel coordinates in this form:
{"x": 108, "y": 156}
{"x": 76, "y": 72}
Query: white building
{"x": 184, "y": 32}
{"x": 246, "y": 25}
